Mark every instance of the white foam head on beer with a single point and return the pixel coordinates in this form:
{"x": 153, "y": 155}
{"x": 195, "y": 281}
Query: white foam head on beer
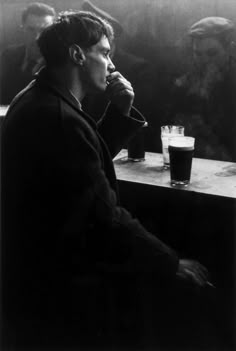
{"x": 183, "y": 143}
{"x": 172, "y": 130}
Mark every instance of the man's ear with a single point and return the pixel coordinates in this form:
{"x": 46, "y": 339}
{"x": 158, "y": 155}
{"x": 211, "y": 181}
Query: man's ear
{"x": 77, "y": 54}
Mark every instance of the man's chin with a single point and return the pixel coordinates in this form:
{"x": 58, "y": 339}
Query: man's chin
{"x": 99, "y": 89}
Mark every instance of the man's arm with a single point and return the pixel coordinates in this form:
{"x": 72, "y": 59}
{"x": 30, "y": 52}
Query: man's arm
{"x": 121, "y": 120}
{"x": 117, "y": 242}
{"x": 121, "y": 239}
{"x": 116, "y": 129}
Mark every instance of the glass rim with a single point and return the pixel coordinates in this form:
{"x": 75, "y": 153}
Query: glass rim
{"x": 169, "y": 129}
{"x": 190, "y": 140}
{"x": 172, "y": 125}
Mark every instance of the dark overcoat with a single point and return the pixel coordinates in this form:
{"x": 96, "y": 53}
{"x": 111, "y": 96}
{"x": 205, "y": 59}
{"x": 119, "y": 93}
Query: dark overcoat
{"x": 62, "y": 223}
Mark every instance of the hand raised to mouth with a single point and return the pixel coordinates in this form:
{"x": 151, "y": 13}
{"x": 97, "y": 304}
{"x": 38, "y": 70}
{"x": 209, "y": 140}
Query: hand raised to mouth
{"x": 120, "y": 92}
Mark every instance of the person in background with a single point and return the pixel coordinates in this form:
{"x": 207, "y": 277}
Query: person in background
{"x": 203, "y": 99}
{"x": 76, "y": 265}
{"x": 18, "y": 63}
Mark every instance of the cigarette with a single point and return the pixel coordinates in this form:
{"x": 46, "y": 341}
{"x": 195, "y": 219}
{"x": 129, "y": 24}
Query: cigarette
{"x": 210, "y": 284}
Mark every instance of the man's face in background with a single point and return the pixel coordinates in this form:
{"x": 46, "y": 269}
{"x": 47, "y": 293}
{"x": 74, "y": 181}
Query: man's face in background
{"x": 32, "y": 27}
{"x": 210, "y": 62}
{"x": 209, "y": 52}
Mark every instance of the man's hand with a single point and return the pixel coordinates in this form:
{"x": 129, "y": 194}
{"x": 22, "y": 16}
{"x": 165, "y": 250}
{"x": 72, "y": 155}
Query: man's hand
{"x": 120, "y": 92}
{"x": 194, "y": 272}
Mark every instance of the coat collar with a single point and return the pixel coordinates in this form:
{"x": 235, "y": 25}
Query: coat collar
{"x": 44, "y": 78}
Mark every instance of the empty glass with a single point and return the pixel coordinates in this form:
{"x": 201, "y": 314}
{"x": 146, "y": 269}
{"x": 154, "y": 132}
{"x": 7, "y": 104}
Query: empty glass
{"x": 168, "y": 132}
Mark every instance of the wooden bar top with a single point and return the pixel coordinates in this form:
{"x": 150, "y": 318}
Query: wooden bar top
{"x": 208, "y": 176}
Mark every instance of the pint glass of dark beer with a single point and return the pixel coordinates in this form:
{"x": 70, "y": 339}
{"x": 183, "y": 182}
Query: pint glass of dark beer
{"x": 181, "y": 154}
{"x": 136, "y": 147}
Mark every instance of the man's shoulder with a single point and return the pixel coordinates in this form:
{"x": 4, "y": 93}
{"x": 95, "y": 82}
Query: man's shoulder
{"x": 30, "y": 98}
{"x": 43, "y": 102}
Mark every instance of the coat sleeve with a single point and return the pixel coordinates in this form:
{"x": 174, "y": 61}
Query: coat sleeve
{"x": 116, "y": 129}
{"x": 114, "y": 238}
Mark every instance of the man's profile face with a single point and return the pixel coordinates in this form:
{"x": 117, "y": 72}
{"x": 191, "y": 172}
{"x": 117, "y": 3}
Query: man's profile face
{"x": 97, "y": 66}
{"x": 32, "y": 27}
{"x": 209, "y": 52}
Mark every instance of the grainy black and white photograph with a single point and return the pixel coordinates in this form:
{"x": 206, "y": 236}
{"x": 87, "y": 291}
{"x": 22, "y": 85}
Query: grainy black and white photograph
{"x": 118, "y": 175}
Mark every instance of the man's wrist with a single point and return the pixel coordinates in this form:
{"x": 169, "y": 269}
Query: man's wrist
{"x": 126, "y": 112}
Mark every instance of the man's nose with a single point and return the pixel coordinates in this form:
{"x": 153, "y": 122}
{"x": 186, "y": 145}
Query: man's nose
{"x": 111, "y": 66}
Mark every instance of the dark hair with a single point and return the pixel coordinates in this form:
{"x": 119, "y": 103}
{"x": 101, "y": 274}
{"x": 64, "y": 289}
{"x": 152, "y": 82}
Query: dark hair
{"x": 72, "y": 27}
{"x": 37, "y": 9}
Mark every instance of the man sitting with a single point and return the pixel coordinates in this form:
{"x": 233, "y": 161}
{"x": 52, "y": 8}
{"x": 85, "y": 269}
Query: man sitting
{"x": 75, "y": 261}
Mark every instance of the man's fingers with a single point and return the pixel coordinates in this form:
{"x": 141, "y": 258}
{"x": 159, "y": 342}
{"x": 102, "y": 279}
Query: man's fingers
{"x": 201, "y": 270}
{"x": 121, "y": 91}
{"x": 113, "y": 76}
{"x": 119, "y": 83}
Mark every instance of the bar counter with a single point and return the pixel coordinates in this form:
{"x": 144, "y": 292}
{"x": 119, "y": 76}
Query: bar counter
{"x": 208, "y": 176}
{"x": 198, "y": 221}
